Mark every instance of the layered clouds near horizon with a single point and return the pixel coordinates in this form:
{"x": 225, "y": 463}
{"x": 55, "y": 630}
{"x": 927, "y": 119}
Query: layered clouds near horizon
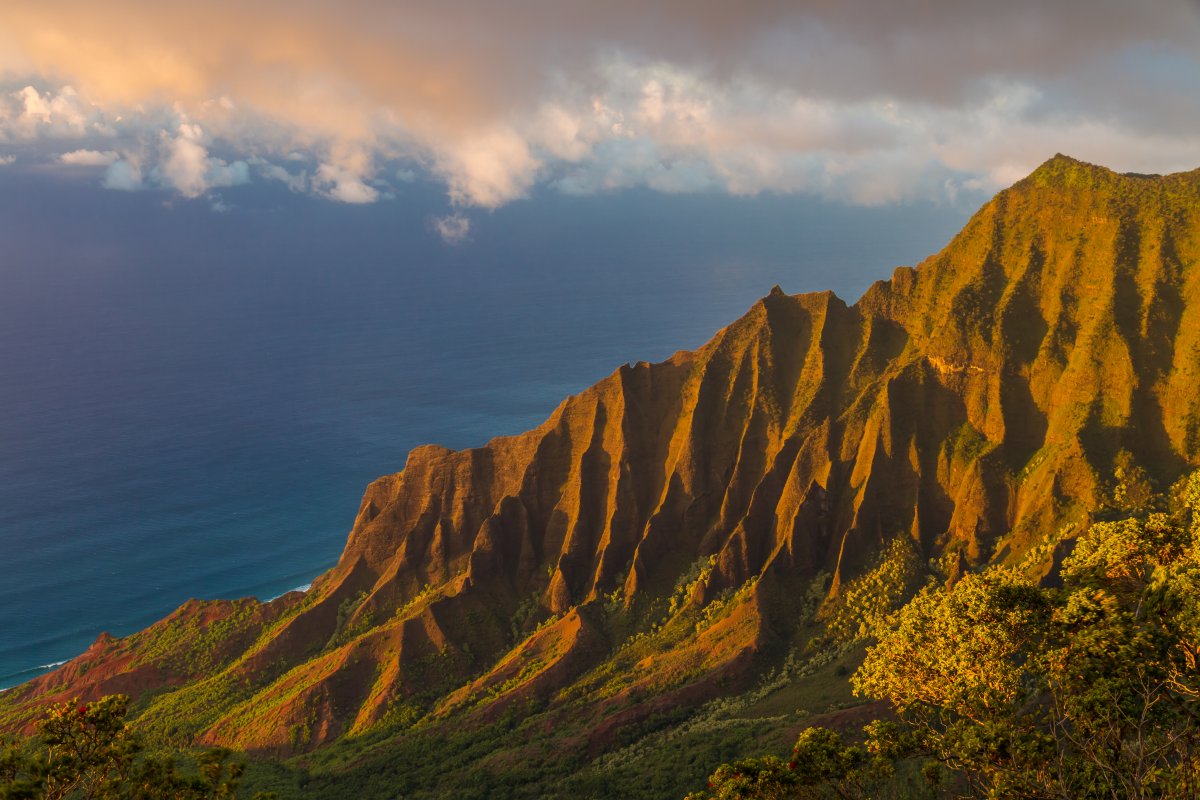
{"x": 865, "y": 102}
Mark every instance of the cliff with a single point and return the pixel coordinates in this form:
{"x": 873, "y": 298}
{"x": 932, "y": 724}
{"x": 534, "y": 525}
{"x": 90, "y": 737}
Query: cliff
{"x": 658, "y": 539}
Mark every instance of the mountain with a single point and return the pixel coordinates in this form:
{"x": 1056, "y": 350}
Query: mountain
{"x": 667, "y": 535}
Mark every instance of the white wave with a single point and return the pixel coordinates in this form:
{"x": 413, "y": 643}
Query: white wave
{"x": 302, "y": 588}
{"x": 29, "y": 673}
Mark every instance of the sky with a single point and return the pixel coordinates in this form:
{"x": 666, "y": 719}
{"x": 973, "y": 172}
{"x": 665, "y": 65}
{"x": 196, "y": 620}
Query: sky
{"x": 857, "y": 102}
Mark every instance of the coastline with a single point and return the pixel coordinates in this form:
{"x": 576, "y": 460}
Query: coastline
{"x": 28, "y": 674}
{"x": 15, "y": 679}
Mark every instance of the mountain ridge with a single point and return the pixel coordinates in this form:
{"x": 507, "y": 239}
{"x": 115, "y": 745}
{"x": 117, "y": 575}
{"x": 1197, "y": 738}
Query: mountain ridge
{"x": 669, "y": 531}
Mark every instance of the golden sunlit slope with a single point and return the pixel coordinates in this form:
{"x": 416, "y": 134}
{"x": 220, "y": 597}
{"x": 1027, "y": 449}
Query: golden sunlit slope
{"x": 665, "y": 530}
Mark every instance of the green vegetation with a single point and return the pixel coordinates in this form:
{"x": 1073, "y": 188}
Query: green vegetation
{"x": 824, "y": 764}
{"x": 863, "y": 608}
{"x": 342, "y": 630}
{"x": 1007, "y": 687}
{"x": 175, "y": 717}
{"x": 186, "y": 644}
{"x": 85, "y": 751}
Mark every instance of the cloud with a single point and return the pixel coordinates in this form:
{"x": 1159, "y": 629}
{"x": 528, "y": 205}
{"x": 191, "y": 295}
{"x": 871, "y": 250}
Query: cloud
{"x": 344, "y": 182}
{"x": 453, "y": 228}
{"x": 6, "y": 160}
{"x": 858, "y": 100}
{"x": 275, "y": 172}
{"x": 28, "y": 114}
{"x": 124, "y": 175}
{"x": 89, "y": 158}
{"x": 188, "y": 168}
{"x": 489, "y": 168}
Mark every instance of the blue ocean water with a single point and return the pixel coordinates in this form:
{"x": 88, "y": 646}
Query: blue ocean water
{"x": 191, "y": 402}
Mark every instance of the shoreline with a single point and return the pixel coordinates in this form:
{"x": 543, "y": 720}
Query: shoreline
{"x": 29, "y": 673}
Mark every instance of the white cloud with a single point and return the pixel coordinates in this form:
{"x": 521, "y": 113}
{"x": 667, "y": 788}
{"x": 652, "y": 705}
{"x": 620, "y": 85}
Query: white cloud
{"x": 6, "y": 160}
{"x": 453, "y": 228}
{"x": 124, "y": 175}
{"x": 343, "y": 184}
{"x": 642, "y": 125}
{"x": 274, "y": 172}
{"x": 186, "y": 162}
{"x": 28, "y": 114}
{"x": 856, "y": 100}
{"x": 189, "y": 169}
{"x": 89, "y": 158}
{"x": 343, "y": 175}
{"x": 489, "y": 168}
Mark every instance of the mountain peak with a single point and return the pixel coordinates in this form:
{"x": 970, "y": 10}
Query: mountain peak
{"x": 640, "y": 549}
{"x": 1065, "y": 171}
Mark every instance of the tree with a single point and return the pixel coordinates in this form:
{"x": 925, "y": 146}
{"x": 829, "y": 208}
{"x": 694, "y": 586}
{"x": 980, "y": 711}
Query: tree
{"x": 1013, "y": 688}
{"x": 86, "y": 751}
{"x": 823, "y": 765}
{"x": 1090, "y": 690}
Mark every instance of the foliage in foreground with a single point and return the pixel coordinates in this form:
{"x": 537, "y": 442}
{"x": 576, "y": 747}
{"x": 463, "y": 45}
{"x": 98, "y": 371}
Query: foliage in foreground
{"x": 824, "y": 765}
{"x": 1007, "y": 687}
{"x": 86, "y": 751}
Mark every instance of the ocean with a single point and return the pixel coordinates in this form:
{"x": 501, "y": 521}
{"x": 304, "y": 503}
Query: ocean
{"x": 192, "y": 400}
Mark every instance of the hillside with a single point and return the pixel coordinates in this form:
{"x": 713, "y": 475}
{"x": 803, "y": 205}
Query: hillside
{"x": 667, "y": 536}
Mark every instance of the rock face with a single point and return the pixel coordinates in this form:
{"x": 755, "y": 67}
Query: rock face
{"x": 656, "y": 535}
